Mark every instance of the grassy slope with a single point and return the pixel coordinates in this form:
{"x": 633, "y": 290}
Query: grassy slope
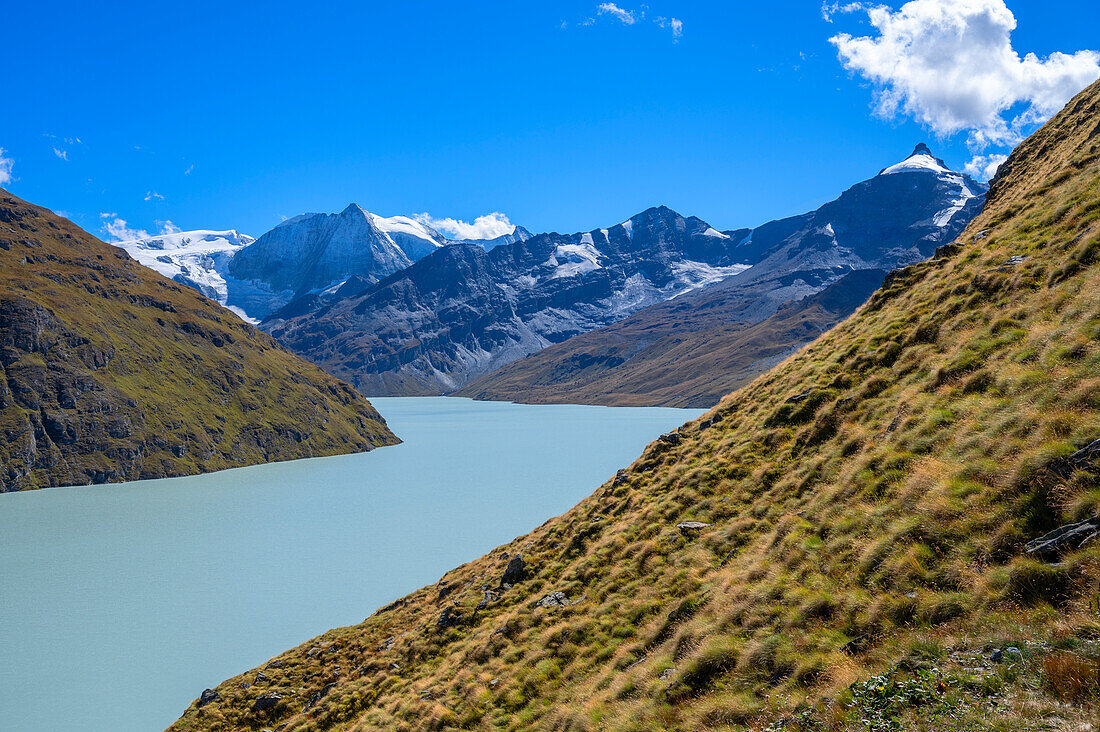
{"x": 112, "y": 372}
{"x": 663, "y": 356}
{"x": 865, "y": 553}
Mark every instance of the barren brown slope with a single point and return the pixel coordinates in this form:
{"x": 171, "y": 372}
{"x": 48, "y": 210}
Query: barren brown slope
{"x": 860, "y": 553}
{"x": 670, "y": 355}
{"x": 112, "y": 372}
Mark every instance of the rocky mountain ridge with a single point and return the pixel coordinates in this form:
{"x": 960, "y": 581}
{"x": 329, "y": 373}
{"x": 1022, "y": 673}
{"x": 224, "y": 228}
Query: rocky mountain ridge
{"x": 462, "y": 311}
{"x": 682, "y": 352}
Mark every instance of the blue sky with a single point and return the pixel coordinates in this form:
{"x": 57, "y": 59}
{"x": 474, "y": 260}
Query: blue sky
{"x": 563, "y": 116}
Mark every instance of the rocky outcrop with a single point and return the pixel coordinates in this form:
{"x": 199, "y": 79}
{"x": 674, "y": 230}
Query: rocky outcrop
{"x": 1064, "y": 539}
{"x": 515, "y": 572}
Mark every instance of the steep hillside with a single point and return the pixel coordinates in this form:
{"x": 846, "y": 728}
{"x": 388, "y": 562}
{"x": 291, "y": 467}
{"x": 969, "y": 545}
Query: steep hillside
{"x": 112, "y": 372}
{"x": 841, "y": 544}
{"x": 672, "y": 355}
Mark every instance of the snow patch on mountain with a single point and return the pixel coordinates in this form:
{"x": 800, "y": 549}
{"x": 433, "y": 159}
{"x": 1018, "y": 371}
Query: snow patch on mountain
{"x": 694, "y": 275}
{"x": 195, "y": 258}
{"x": 572, "y": 260}
{"x": 965, "y": 194}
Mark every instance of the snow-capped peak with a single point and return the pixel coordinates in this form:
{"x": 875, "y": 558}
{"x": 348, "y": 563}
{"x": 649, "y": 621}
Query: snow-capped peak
{"x": 407, "y": 226}
{"x": 921, "y": 160}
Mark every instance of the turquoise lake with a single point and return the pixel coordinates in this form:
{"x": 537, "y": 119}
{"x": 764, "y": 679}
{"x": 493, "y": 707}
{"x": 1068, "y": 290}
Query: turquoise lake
{"x": 119, "y": 604}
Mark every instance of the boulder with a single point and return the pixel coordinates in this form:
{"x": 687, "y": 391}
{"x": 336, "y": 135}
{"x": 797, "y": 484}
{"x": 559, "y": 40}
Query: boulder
{"x": 208, "y": 696}
{"x": 514, "y": 572}
{"x": 554, "y": 599}
{"x": 490, "y": 598}
{"x": 691, "y": 528}
{"x": 266, "y": 703}
{"x": 448, "y": 619}
{"x": 319, "y": 695}
{"x": 671, "y": 438}
{"x": 1063, "y": 539}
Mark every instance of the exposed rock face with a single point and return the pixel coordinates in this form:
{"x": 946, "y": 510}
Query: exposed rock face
{"x": 208, "y": 696}
{"x": 462, "y": 313}
{"x": 691, "y": 529}
{"x": 109, "y": 371}
{"x": 514, "y": 572}
{"x": 554, "y": 599}
{"x": 266, "y": 703}
{"x": 448, "y": 618}
{"x": 1064, "y": 539}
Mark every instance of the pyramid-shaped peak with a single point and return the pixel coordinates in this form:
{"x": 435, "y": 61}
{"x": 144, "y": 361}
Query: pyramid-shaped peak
{"x": 920, "y": 161}
{"x": 354, "y": 209}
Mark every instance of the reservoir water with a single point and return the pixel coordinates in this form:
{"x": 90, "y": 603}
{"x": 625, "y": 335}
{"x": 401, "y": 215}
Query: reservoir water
{"x": 119, "y": 604}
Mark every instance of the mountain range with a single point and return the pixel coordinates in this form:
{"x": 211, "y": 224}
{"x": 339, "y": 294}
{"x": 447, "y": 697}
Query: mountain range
{"x": 463, "y": 311}
{"x": 460, "y": 313}
{"x": 690, "y": 351}
{"x": 305, "y": 254}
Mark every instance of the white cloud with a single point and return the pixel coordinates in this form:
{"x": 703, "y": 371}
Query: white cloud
{"x": 626, "y": 16}
{"x": 116, "y": 229}
{"x": 828, "y": 10}
{"x": 189, "y": 169}
{"x": 984, "y": 167}
{"x": 674, "y": 24}
{"x": 63, "y": 154}
{"x": 150, "y": 195}
{"x": 950, "y": 65}
{"x": 489, "y": 226}
{"x": 5, "y": 169}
